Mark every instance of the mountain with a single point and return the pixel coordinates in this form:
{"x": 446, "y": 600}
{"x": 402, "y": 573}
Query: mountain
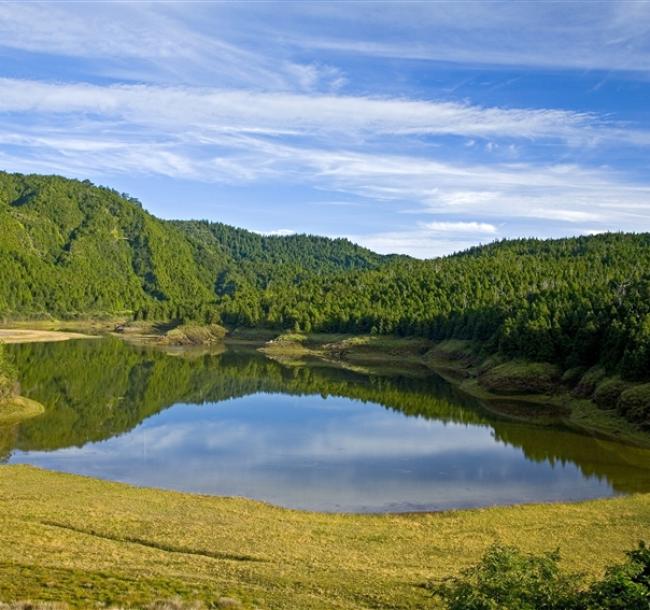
{"x": 69, "y": 248}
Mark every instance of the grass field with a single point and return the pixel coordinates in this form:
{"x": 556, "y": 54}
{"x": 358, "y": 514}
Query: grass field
{"x": 90, "y": 542}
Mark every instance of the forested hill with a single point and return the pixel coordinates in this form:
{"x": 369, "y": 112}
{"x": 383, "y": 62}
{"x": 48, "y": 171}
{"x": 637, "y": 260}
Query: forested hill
{"x": 261, "y": 259}
{"x": 69, "y": 248}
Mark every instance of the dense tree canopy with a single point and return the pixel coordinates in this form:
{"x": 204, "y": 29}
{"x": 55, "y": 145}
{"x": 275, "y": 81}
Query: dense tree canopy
{"x": 69, "y": 248}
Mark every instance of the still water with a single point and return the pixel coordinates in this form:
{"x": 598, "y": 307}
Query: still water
{"x": 309, "y": 437}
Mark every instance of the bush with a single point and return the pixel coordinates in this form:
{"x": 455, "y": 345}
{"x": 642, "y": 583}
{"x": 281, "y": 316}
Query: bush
{"x": 608, "y": 392}
{"x": 521, "y": 377}
{"x": 507, "y": 579}
{"x": 625, "y": 587}
{"x": 634, "y": 405}
{"x": 587, "y": 385}
{"x": 572, "y": 376}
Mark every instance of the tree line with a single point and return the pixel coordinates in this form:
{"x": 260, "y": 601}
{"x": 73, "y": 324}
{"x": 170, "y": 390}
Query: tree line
{"x": 69, "y": 248}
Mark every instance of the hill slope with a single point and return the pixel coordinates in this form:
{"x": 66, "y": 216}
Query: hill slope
{"x": 69, "y": 247}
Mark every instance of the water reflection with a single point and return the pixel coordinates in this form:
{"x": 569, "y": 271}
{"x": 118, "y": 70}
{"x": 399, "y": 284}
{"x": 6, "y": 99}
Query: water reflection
{"x": 310, "y": 437}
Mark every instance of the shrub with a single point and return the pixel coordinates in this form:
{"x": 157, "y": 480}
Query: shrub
{"x": 572, "y": 376}
{"x": 587, "y": 385}
{"x": 507, "y": 579}
{"x": 608, "y": 392}
{"x": 625, "y": 587}
{"x": 521, "y": 377}
{"x": 634, "y": 404}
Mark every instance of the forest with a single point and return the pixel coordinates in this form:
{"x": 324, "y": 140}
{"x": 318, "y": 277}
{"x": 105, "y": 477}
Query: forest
{"x": 72, "y": 249}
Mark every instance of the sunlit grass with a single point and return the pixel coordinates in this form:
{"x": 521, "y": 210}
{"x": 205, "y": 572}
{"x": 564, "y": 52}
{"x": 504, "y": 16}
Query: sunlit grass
{"x": 84, "y": 541}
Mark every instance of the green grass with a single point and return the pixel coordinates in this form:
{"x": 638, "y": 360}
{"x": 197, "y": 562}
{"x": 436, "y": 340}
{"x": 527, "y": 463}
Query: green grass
{"x": 609, "y": 391}
{"x": 291, "y": 338}
{"x": 453, "y": 349}
{"x": 85, "y": 541}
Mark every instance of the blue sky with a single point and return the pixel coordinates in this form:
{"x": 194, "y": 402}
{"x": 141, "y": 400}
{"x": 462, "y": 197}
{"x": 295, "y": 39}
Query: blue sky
{"x": 420, "y": 128}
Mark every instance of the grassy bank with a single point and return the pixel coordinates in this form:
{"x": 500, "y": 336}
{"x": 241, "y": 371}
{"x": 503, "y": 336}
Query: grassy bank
{"x": 85, "y": 541}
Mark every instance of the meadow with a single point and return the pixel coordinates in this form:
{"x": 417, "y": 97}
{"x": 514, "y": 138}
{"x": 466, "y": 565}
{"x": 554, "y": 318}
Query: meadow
{"x": 90, "y": 542}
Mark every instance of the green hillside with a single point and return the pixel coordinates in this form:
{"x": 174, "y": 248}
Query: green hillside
{"x": 577, "y": 302}
{"x": 69, "y": 248}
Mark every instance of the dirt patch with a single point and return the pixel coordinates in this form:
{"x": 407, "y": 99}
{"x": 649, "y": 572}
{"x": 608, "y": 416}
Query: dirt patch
{"x": 15, "y": 335}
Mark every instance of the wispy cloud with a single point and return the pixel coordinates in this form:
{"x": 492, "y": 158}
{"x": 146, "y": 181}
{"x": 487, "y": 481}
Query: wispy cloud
{"x": 613, "y": 36}
{"x": 334, "y": 143}
{"x": 428, "y": 239}
{"x": 222, "y": 40}
{"x": 278, "y": 232}
{"x": 303, "y": 96}
{"x": 417, "y": 242}
{"x": 182, "y": 109}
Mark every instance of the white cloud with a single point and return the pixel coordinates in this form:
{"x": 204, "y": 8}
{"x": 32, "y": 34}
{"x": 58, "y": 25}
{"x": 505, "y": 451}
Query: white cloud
{"x": 161, "y": 42}
{"x": 499, "y": 194}
{"x": 222, "y": 40}
{"x": 566, "y": 215}
{"x": 200, "y": 113}
{"x": 460, "y": 227}
{"x": 279, "y": 232}
{"x": 418, "y": 242}
{"x": 332, "y": 142}
{"x": 427, "y": 240}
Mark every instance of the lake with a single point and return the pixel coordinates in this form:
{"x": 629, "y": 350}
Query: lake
{"x": 233, "y": 422}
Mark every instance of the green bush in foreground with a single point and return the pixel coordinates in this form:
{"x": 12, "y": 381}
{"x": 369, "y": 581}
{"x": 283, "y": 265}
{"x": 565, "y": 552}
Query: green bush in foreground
{"x": 507, "y": 579}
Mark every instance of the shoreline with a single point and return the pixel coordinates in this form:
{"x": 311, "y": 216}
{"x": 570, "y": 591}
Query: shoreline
{"x": 454, "y": 361}
{"x": 23, "y": 335}
{"x": 460, "y": 369}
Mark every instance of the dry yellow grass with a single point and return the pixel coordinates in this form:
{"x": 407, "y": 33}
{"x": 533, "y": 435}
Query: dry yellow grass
{"x": 84, "y": 541}
{"x": 17, "y": 335}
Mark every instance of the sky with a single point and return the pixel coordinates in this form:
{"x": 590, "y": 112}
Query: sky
{"x": 413, "y": 127}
